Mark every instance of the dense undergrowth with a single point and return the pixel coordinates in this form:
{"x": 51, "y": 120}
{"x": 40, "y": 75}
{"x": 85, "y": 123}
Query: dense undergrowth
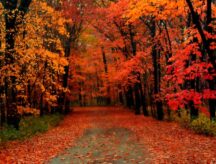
{"x": 29, "y": 126}
{"x": 201, "y": 125}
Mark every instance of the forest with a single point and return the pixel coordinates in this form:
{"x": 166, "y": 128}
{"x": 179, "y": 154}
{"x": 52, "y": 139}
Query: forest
{"x": 81, "y": 64}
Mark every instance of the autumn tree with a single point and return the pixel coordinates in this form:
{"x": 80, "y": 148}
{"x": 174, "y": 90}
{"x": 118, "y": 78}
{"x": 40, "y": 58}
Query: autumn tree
{"x": 207, "y": 38}
{"x": 189, "y": 71}
{"x": 76, "y": 12}
{"x": 14, "y": 16}
{"x": 30, "y": 72}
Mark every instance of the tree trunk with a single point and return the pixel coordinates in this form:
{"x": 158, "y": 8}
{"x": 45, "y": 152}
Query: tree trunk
{"x": 157, "y": 73}
{"x": 137, "y": 99}
{"x": 65, "y": 108}
{"x": 121, "y": 100}
{"x": 63, "y": 100}
{"x": 129, "y": 97}
{"x": 143, "y": 97}
{"x": 108, "y": 99}
{"x": 10, "y": 81}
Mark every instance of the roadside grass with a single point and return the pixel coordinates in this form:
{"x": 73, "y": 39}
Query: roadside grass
{"x": 29, "y": 126}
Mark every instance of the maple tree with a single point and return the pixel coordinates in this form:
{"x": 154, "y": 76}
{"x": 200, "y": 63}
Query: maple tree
{"x": 154, "y": 58}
